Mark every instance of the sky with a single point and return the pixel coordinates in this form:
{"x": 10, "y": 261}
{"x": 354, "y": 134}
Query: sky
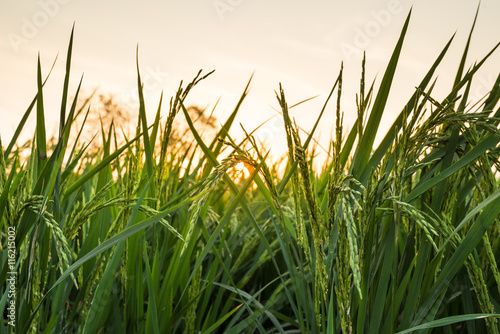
{"x": 300, "y": 44}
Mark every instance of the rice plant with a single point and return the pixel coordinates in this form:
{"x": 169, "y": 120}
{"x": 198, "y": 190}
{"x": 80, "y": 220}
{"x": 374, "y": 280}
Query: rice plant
{"x": 141, "y": 236}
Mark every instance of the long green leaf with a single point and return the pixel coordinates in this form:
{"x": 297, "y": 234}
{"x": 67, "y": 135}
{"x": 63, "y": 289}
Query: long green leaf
{"x": 449, "y": 321}
{"x": 363, "y": 152}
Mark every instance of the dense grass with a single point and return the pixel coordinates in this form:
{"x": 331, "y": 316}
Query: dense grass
{"x": 385, "y": 238}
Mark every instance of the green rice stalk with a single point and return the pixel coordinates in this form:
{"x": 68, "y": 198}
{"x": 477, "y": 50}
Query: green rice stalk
{"x": 317, "y": 227}
{"x": 491, "y": 260}
{"x": 198, "y": 204}
{"x": 193, "y": 295}
{"x": 296, "y": 191}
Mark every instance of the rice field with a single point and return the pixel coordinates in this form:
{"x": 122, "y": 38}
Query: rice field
{"x": 145, "y": 236}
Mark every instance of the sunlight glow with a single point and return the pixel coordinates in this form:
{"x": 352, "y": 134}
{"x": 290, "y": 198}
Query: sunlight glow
{"x": 241, "y": 169}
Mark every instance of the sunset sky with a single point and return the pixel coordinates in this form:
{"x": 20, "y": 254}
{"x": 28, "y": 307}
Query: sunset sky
{"x": 300, "y": 44}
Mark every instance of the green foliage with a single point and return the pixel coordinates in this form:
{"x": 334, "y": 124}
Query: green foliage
{"x": 150, "y": 237}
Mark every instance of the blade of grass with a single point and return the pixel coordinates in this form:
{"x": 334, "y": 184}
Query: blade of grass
{"x": 41, "y": 142}
{"x": 152, "y": 308}
{"x": 143, "y": 118}
{"x": 20, "y": 127}
{"x": 66, "y": 84}
{"x": 221, "y": 320}
{"x": 449, "y": 321}
{"x": 363, "y": 152}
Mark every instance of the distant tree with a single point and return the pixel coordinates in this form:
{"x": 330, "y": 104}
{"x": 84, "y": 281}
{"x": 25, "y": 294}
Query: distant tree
{"x": 107, "y": 109}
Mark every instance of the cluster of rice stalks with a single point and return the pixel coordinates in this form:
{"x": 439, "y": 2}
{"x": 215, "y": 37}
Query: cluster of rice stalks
{"x": 150, "y": 237}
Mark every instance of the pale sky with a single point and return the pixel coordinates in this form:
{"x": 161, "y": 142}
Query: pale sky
{"x": 297, "y": 43}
